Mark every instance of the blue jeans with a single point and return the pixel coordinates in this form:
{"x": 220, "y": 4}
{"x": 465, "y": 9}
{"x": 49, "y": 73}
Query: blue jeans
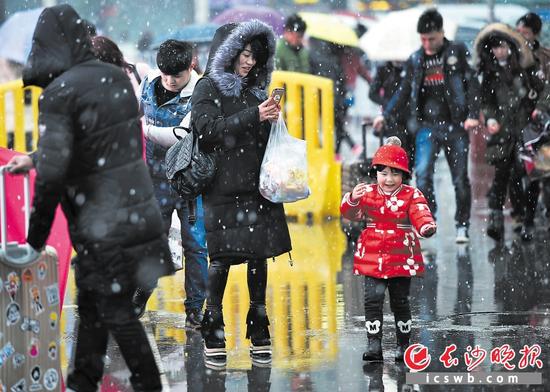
{"x": 193, "y": 239}
{"x": 456, "y": 145}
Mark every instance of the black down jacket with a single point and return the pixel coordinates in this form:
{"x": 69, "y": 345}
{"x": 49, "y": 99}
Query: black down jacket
{"x": 240, "y": 223}
{"x": 89, "y": 160}
{"x": 508, "y": 93}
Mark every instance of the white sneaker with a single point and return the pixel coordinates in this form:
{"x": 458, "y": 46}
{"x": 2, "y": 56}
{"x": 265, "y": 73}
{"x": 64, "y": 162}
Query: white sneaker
{"x": 462, "y": 235}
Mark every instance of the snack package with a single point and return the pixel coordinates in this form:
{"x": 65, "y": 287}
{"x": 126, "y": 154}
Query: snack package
{"x": 283, "y": 175}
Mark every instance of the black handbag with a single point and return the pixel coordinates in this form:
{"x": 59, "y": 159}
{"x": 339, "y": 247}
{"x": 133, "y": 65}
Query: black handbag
{"x": 190, "y": 170}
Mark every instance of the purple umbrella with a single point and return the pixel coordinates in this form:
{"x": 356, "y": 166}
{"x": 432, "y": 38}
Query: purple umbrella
{"x": 247, "y": 12}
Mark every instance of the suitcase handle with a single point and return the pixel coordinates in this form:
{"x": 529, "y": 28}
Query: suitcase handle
{"x": 12, "y": 252}
{"x": 364, "y": 128}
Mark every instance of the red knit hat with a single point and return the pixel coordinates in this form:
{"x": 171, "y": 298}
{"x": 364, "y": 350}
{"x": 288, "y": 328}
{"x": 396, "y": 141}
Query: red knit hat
{"x": 392, "y": 155}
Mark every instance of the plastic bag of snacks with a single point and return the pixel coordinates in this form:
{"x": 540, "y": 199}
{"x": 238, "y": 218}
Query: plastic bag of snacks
{"x": 283, "y": 175}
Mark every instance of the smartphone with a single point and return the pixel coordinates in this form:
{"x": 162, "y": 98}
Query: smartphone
{"x": 278, "y": 94}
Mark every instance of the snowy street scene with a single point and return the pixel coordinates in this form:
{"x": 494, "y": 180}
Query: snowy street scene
{"x": 260, "y": 195}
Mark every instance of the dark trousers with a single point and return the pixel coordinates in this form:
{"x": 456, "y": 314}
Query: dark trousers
{"x": 342, "y": 135}
{"x": 532, "y": 196}
{"x": 508, "y": 174}
{"x": 218, "y": 271}
{"x": 375, "y": 290}
{"x": 456, "y": 145}
{"x": 99, "y": 316}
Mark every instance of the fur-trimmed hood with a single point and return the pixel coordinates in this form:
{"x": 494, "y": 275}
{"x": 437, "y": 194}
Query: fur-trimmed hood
{"x": 501, "y": 30}
{"x": 228, "y": 42}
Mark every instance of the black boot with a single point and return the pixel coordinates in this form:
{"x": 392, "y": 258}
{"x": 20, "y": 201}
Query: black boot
{"x": 402, "y": 345}
{"x": 374, "y": 350}
{"x": 403, "y": 334}
{"x": 258, "y": 332}
{"x": 212, "y": 330}
{"x": 141, "y": 296}
{"x": 495, "y": 227}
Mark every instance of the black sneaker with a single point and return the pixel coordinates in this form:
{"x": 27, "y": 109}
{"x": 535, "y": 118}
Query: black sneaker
{"x": 215, "y": 357}
{"x": 193, "y": 318}
{"x": 527, "y": 233}
{"x": 260, "y": 352}
{"x": 141, "y": 296}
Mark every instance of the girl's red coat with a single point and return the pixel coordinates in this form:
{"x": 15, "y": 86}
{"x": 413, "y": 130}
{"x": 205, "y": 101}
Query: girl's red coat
{"x": 389, "y": 247}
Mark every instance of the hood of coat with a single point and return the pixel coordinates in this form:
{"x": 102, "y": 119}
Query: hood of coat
{"x": 503, "y": 31}
{"x": 60, "y": 41}
{"x": 228, "y": 42}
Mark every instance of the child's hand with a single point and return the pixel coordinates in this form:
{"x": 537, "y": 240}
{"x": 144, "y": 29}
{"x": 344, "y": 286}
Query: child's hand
{"x": 428, "y": 230}
{"x": 358, "y": 192}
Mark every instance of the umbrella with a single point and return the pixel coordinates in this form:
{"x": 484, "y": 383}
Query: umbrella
{"x": 16, "y": 35}
{"x": 394, "y": 36}
{"x": 329, "y": 28}
{"x": 244, "y": 13}
{"x": 199, "y": 33}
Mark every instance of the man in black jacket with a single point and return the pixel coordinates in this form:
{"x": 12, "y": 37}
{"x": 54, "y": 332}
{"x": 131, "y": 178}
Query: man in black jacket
{"x": 89, "y": 161}
{"x": 442, "y": 92}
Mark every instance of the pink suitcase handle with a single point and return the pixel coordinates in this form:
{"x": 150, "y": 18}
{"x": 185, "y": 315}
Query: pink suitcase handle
{"x": 7, "y": 250}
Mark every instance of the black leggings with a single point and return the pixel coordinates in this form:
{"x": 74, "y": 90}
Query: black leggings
{"x": 375, "y": 290}
{"x": 99, "y": 316}
{"x": 218, "y": 272}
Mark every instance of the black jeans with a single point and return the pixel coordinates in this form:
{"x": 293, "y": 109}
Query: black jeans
{"x": 375, "y": 290}
{"x": 508, "y": 174}
{"x": 218, "y": 271}
{"x": 532, "y": 197}
{"x": 99, "y": 316}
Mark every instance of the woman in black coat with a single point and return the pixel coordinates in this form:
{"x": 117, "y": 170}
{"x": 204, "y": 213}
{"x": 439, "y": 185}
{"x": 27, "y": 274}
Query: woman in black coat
{"x": 232, "y": 115}
{"x": 509, "y": 92}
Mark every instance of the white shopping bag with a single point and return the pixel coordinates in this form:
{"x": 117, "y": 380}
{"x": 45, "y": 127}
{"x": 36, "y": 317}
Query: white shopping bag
{"x": 283, "y": 175}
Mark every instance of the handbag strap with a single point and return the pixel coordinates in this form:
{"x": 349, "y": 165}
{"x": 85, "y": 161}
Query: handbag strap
{"x": 180, "y": 127}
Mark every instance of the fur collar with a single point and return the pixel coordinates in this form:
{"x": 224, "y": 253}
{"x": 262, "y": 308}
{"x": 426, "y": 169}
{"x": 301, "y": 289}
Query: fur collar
{"x": 229, "y": 83}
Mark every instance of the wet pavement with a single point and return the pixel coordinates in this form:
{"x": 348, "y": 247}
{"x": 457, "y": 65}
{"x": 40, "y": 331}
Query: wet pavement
{"x": 476, "y": 294}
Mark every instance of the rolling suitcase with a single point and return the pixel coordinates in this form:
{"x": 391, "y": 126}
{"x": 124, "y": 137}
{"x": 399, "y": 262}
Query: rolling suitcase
{"x": 353, "y": 174}
{"x": 30, "y": 312}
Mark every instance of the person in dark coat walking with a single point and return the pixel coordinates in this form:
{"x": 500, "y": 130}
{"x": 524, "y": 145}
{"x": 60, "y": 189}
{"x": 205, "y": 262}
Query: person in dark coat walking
{"x": 89, "y": 161}
{"x": 385, "y": 83}
{"x": 442, "y": 93}
{"x": 325, "y": 60}
{"x": 509, "y": 92}
{"x": 232, "y": 114}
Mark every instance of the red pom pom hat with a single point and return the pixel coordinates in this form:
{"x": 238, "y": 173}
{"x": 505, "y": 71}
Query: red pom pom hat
{"x": 392, "y": 155}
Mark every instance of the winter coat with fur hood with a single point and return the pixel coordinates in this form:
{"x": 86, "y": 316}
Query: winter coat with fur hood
{"x": 508, "y": 92}
{"x": 89, "y": 159}
{"x": 240, "y": 223}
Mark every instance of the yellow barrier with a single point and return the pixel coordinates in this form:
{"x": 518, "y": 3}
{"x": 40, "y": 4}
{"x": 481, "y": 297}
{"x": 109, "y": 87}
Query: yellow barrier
{"x": 301, "y": 302}
{"x": 24, "y": 119}
{"x": 308, "y": 108}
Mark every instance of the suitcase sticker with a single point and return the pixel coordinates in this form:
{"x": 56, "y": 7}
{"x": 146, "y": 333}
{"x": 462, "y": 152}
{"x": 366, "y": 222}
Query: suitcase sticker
{"x": 29, "y": 316}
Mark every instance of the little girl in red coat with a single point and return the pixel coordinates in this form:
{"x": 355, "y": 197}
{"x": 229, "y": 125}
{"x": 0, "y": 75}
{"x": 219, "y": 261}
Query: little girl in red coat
{"x": 388, "y": 250}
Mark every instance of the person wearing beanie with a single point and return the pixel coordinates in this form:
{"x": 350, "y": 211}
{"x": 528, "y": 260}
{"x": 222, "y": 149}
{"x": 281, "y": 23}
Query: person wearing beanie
{"x": 388, "y": 250}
